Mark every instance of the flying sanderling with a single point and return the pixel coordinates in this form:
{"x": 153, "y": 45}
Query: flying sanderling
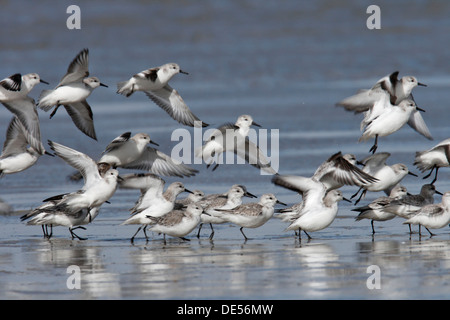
{"x": 154, "y": 82}
{"x": 16, "y": 156}
{"x": 25, "y": 110}
{"x": 389, "y": 90}
{"x": 133, "y": 153}
{"x": 434, "y": 158}
{"x": 388, "y": 175}
{"x": 388, "y": 121}
{"x": 17, "y": 86}
{"x": 71, "y": 92}
{"x": 234, "y": 138}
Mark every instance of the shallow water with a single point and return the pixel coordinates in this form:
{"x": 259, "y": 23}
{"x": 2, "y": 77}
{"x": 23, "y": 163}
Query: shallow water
{"x": 286, "y": 65}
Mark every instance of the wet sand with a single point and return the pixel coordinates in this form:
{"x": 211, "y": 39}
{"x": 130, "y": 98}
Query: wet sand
{"x": 272, "y": 264}
{"x": 286, "y": 65}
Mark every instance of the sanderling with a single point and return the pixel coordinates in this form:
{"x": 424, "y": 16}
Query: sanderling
{"x": 335, "y": 172}
{"x": 133, "y": 153}
{"x": 194, "y": 197}
{"x": 232, "y": 200}
{"x": 388, "y": 175}
{"x": 98, "y": 188}
{"x": 76, "y": 220}
{"x": 390, "y": 120}
{"x": 251, "y": 215}
{"x": 375, "y": 211}
{"x": 71, "y": 92}
{"x": 18, "y": 86}
{"x": 434, "y": 158}
{"x": 318, "y": 215}
{"x": 16, "y": 156}
{"x": 153, "y": 201}
{"x": 389, "y": 90}
{"x": 407, "y": 206}
{"x": 234, "y": 137}
{"x": 398, "y": 89}
{"x": 154, "y": 82}
{"x": 341, "y": 170}
{"x": 25, "y": 110}
{"x": 177, "y": 223}
{"x": 433, "y": 216}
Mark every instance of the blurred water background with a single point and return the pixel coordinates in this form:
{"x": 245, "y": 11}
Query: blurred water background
{"x": 286, "y": 63}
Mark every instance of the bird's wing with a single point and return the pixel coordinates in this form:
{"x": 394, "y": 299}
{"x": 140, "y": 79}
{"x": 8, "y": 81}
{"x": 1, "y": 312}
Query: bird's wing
{"x": 117, "y": 142}
{"x": 82, "y": 117}
{"x": 416, "y": 122}
{"x": 161, "y": 164}
{"x": 25, "y": 111}
{"x": 253, "y": 155}
{"x": 170, "y": 100}
{"x": 78, "y": 69}
{"x": 141, "y": 181}
{"x": 338, "y": 169}
{"x": 12, "y": 83}
{"x": 80, "y": 161}
{"x": 15, "y": 141}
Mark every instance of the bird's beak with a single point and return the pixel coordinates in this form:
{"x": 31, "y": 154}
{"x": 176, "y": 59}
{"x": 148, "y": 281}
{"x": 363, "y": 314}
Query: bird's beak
{"x": 421, "y": 84}
{"x": 413, "y": 174}
{"x": 345, "y": 199}
{"x": 250, "y": 195}
{"x": 183, "y": 72}
{"x": 153, "y": 142}
{"x": 420, "y": 109}
{"x": 119, "y": 178}
{"x": 282, "y": 203}
{"x": 440, "y": 193}
{"x": 43, "y": 81}
{"x": 103, "y": 85}
{"x": 256, "y": 124}
{"x": 188, "y": 191}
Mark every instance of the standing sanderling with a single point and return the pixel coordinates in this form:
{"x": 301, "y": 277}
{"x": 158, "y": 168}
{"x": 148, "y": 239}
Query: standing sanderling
{"x": 232, "y": 200}
{"x": 251, "y": 215}
{"x": 153, "y": 201}
{"x": 434, "y": 158}
{"x": 154, "y": 82}
{"x": 98, "y": 188}
{"x": 432, "y": 216}
{"x": 376, "y": 210}
{"x": 194, "y": 197}
{"x": 71, "y": 92}
{"x": 177, "y": 223}
{"x": 317, "y": 217}
{"x": 18, "y": 86}
{"x": 75, "y": 220}
{"x": 408, "y": 205}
